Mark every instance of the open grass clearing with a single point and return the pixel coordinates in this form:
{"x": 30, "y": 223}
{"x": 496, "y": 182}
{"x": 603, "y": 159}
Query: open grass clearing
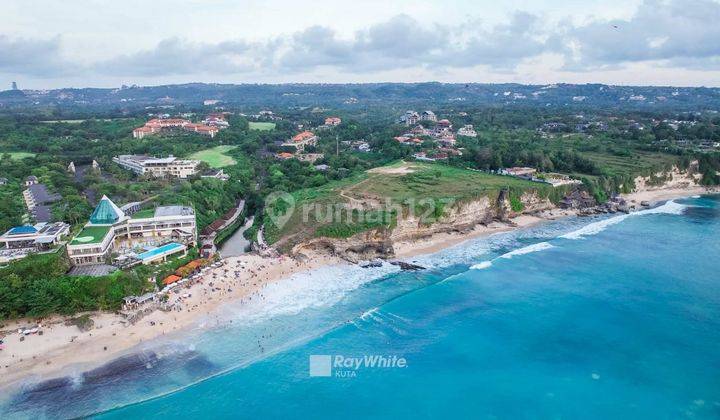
{"x": 215, "y": 157}
{"x": 262, "y": 126}
{"x": 18, "y": 155}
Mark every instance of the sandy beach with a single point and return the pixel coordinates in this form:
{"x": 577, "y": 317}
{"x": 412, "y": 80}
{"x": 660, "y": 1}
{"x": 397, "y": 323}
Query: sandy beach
{"x": 239, "y": 279}
{"x": 60, "y": 346}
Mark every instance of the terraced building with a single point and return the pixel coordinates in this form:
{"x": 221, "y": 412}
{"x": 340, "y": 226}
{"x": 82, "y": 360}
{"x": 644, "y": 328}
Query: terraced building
{"x": 131, "y": 236}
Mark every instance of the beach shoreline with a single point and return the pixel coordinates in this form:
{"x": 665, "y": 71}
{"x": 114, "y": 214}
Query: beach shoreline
{"x": 240, "y": 279}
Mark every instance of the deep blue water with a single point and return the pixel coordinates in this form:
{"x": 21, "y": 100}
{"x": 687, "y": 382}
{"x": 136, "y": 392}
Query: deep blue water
{"x": 612, "y": 317}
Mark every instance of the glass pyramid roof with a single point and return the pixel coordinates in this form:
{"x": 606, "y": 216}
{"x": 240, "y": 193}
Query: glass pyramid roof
{"x": 106, "y": 213}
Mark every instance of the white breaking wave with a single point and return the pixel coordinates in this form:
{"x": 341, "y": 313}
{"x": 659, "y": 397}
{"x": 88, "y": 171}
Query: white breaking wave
{"x": 322, "y": 287}
{"x": 594, "y": 228}
{"x": 670, "y": 207}
{"x": 540, "y": 246}
{"x": 368, "y": 313}
{"x": 528, "y": 249}
{"x": 481, "y": 266}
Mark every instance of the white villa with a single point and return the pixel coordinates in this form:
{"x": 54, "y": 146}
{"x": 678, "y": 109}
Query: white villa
{"x": 170, "y": 167}
{"x": 110, "y": 229}
{"x": 20, "y": 241}
{"x": 467, "y": 131}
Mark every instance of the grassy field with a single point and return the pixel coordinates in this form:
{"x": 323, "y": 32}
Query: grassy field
{"x": 215, "y": 157}
{"x": 633, "y": 163}
{"x": 375, "y": 198}
{"x": 18, "y": 155}
{"x": 262, "y": 126}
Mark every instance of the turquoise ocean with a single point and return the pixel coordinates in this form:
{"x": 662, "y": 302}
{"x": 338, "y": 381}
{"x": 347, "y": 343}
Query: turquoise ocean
{"x": 614, "y": 316}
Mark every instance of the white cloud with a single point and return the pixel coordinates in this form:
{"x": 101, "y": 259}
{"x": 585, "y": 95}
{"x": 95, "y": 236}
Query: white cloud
{"x": 674, "y": 34}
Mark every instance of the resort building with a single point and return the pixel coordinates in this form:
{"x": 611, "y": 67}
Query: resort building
{"x": 216, "y": 120}
{"x": 428, "y": 116}
{"x": 158, "y": 232}
{"x": 309, "y": 157}
{"x": 216, "y": 174}
{"x": 447, "y": 140}
{"x": 520, "y": 172}
{"x": 38, "y": 201}
{"x": 467, "y": 131}
{"x": 19, "y": 241}
{"x": 38, "y": 236}
{"x": 170, "y": 167}
{"x": 157, "y": 125}
{"x": 202, "y": 129}
{"x": 410, "y": 118}
{"x": 299, "y": 141}
{"x": 332, "y": 121}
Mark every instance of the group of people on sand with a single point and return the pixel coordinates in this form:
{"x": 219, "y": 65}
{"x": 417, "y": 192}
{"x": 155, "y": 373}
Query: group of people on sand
{"x": 232, "y": 276}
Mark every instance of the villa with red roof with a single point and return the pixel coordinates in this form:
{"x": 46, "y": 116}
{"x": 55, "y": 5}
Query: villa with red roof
{"x": 157, "y": 125}
{"x": 332, "y": 121}
{"x": 300, "y": 140}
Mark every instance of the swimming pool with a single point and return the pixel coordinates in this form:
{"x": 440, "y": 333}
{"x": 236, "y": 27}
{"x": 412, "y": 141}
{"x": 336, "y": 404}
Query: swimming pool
{"x": 164, "y": 250}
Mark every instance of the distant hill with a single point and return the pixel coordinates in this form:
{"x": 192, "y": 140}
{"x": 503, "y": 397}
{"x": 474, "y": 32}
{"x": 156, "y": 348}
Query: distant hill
{"x": 362, "y": 95}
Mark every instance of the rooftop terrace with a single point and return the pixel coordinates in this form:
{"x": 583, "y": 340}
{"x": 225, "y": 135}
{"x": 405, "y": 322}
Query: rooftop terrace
{"x": 90, "y": 235}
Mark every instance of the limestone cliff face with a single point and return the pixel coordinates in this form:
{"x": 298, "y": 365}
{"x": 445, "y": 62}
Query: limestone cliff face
{"x": 675, "y": 178}
{"x": 460, "y": 217}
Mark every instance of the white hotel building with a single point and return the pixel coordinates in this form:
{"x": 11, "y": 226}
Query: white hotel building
{"x": 169, "y": 167}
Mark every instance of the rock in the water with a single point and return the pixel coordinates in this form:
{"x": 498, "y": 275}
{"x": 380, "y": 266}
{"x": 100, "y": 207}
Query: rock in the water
{"x": 407, "y": 266}
{"x": 374, "y": 263}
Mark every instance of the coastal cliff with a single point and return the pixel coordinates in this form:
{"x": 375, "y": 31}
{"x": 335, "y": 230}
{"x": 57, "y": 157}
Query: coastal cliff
{"x": 461, "y": 217}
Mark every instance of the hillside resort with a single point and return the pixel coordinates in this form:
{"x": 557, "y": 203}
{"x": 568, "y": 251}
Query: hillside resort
{"x": 128, "y": 236}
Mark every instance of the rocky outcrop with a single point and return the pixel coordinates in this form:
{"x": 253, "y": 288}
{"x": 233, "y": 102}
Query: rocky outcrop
{"x": 577, "y": 200}
{"x": 374, "y": 243}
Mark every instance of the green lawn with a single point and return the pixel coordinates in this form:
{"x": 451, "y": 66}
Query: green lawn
{"x": 216, "y": 156}
{"x": 424, "y": 189}
{"x": 18, "y": 155}
{"x": 90, "y": 235}
{"x": 262, "y": 126}
{"x": 144, "y": 214}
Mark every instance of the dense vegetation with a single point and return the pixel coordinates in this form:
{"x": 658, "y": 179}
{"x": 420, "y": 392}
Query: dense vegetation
{"x": 38, "y": 286}
{"x": 605, "y": 146}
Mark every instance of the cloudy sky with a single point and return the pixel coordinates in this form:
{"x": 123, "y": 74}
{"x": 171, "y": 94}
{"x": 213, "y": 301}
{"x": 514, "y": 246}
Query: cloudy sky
{"x": 80, "y": 43}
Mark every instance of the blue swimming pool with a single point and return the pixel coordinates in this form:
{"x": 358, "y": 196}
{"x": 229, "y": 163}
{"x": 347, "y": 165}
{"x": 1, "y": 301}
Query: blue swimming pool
{"x": 165, "y": 249}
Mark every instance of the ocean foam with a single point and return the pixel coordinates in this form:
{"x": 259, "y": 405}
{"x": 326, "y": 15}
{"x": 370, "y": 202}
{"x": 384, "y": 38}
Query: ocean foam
{"x": 594, "y": 228}
{"x": 321, "y": 287}
{"x": 481, "y": 266}
{"x": 669, "y": 207}
{"x": 540, "y": 246}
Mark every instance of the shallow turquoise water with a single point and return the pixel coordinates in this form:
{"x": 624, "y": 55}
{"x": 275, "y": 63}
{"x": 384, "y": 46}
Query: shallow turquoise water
{"x": 615, "y": 317}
